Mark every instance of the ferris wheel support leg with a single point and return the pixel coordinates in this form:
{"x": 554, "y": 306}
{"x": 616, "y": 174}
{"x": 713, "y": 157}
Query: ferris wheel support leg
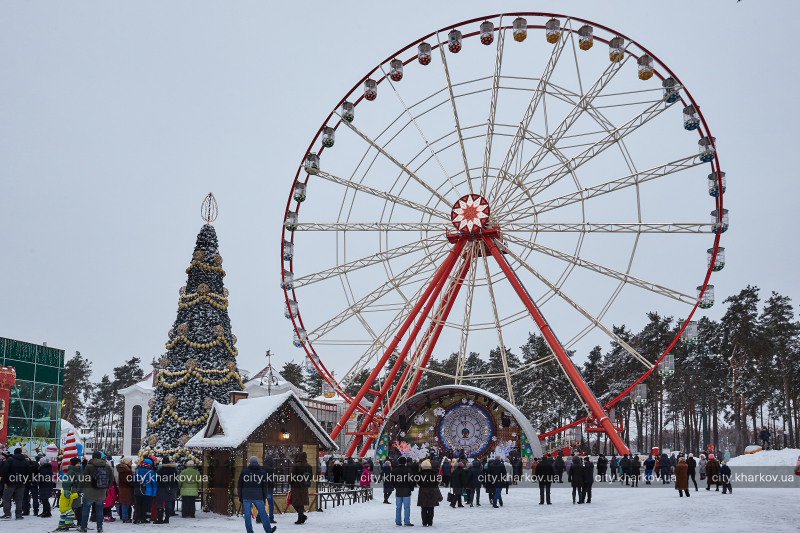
{"x": 447, "y": 265}
{"x": 435, "y": 329}
{"x": 566, "y": 363}
{"x": 428, "y": 299}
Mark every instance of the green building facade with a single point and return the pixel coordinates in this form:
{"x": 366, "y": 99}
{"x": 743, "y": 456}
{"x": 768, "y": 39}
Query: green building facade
{"x": 34, "y": 417}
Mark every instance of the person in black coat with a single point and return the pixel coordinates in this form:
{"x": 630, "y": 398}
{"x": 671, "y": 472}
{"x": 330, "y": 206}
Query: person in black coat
{"x": 429, "y": 494}
{"x": 691, "y": 463}
{"x": 350, "y": 473}
{"x": 46, "y": 480}
{"x": 636, "y": 470}
{"x": 588, "y": 480}
{"x": 386, "y": 477}
{"x": 459, "y": 480}
{"x": 576, "y": 479}
{"x": 474, "y": 483}
{"x": 167, "y": 491}
{"x": 338, "y": 472}
{"x": 602, "y": 466}
{"x": 559, "y": 467}
{"x": 545, "y": 473}
{"x": 16, "y": 474}
{"x": 625, "y": 464}
{"x": 495, "y": 481}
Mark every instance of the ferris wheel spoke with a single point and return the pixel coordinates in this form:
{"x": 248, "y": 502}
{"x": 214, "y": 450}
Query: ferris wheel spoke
{"x": 555, "y": 136}
{"x": 405, "y": 276}
{"x": 606, "y": 271}
{"x": 455, "y": 115}
{"x": 364, "y": 262}
{"x": 394, "y": 160}
{"x": 630, "y": 180}
{"x": 498, "y": 328}
{"x": 383, "y": 195}
{"x": 371, "y": 226}
{"x": 609, "y": 227}
{"x": 413, "y": 120}
{"x": 463, "y": 345}
{"x": 533, "y": 105}
{"x": 614, "y": 337}
{"x": 613, "y": 137}
{"x": 487, "y": 150}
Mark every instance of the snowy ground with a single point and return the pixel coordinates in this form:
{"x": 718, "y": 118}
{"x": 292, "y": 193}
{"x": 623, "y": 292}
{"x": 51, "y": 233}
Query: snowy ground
{"x": 612, "y": 509}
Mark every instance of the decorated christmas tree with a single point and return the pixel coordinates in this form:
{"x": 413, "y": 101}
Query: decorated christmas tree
{"x": 200, "y": 363}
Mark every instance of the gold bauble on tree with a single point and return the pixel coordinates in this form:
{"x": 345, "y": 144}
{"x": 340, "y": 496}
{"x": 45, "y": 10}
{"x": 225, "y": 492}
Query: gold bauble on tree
{"x": 202, "y": 289}
{"x": 183, "y": 329}
{"x": 198, "y": 255}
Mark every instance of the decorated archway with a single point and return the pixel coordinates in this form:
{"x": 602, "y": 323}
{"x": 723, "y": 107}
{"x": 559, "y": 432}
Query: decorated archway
{"x": 457, "y": 420}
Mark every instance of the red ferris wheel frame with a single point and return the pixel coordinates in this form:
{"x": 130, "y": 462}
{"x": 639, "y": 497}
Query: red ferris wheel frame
{"x": 489, "y": 239}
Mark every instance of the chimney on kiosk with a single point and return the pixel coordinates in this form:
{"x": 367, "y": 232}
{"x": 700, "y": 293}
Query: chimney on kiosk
{"x": 235, "y": 396}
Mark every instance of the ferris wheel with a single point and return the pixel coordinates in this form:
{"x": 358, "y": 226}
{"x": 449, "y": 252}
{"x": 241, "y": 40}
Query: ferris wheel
{"x": 510, "y": 173}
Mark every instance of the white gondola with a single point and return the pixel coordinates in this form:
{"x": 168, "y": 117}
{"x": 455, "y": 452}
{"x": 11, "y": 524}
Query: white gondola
{"x": 300, "y": 338}
{"x": 690, "y": 332}
{"x": 690, "y": 119}
{"x": 706, "y": 300}
{"x": 639, "y": 394}
{"x": 719, "y": 260}
{"x": 291, "y": 221}
{"x": 311, "y": 164}
{"x": 290, "y": 310}
{"x": 552, "y": 30}
{"x": 300, "y": 192}
{"x": 424, "y": 53}
{"x": 671, "y": 90}
{"x": 714, "y": 183}
{"x": 370, "y": 89}
{"x": 645, "y": 67}
{"x": 395, "y": 70}
{"x": 667, "y": 366}
{"x": 487, "y": 32}
{"x": 520, "y": 29}
{"x": 585, "y": 37}
{"x": 328, "y": 137}
{"x": 720, "y": 222}
{"x": 287, "y": 280}
{"x": 706, "y": 149}
{"x": 454, "y": 41}
{"x": 348, "y": 111}
{"x": 288, "y": 250}
{"x": 616, "y": 49}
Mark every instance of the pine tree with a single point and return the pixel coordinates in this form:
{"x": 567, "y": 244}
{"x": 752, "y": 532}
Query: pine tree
{"x": 200, "y": 364}
{"x": 77, "y": 388}
{"x": 312, "y": 381}
{"x": 293, "y": 373}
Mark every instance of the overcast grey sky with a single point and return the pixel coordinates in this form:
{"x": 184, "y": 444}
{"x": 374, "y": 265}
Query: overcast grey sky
{"x": 117, "y": 118}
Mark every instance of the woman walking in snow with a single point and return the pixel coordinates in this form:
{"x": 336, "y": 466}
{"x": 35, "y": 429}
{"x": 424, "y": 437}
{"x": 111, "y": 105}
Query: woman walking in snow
{"x": 682, "y": 477}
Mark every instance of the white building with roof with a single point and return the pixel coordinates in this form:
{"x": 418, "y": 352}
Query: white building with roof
{"x": 137, "y": 404}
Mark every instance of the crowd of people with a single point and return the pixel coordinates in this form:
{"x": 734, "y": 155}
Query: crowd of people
{"x": 91, "y": 489}
{"x": 148, "y": 491}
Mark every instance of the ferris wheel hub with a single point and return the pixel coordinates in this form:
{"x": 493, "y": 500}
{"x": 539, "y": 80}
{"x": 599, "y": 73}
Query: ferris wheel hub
{"x": 470, "y": 213}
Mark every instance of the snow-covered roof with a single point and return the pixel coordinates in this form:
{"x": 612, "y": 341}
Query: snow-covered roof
{"x": 240, "y": 420}
{"x": 145, "y": 385}
{"x": 260, "y": 383}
